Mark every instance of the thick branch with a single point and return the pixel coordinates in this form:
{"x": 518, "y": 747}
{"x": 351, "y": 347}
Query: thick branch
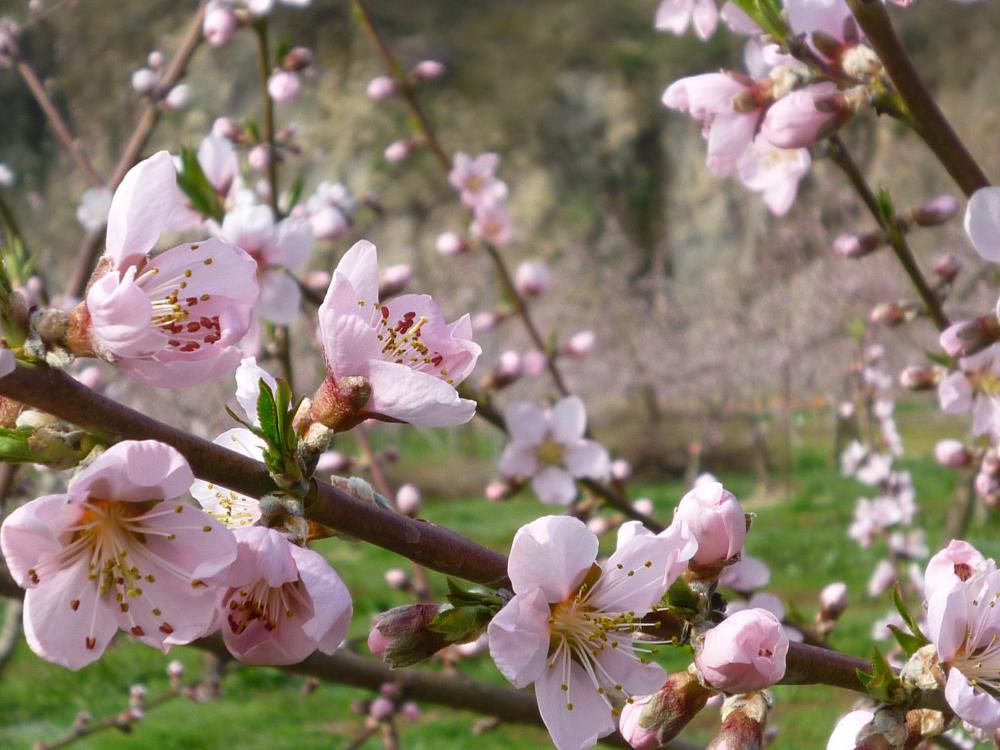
{"x": 91, "y": 247}
{"x": 927, "y": 118}
{"x": 432, "y": 546}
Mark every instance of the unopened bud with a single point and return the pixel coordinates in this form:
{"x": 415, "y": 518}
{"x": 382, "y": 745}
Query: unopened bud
{"x": 258, "y": 158}
{"x": 952, "y": 454}
{"x": 918, "y": 378}
{"x": 177, "y": 97}
{"x": 143, "y": 81}
{"x": 497, "y": 490}
{"x": 283, "y": 86}
{"x": 643, "y": 505}
{"x": 580, "y": 344}
{"x": 946, "y": 267}
{"x": 451, "y": 243}
{"x": 833, "y": 601}
{"x": 653, "y": 720}
{"x": 408, "y": 499}
{"x": 427, "y": 70}
{"x": 857, "y": 245}
{"x": 224, "y": 127}
{"x": 621, "y": 469}
{"x": 936, "y": 211}
{"x": 401, "y": 638}
{"x": 298, "y": 58}
{"x": 397, "y": 579}
{"x": 155, "y": 59}
{"x": 381, "y": 88}
{"x": 381, "y": 709}
{"x": 889, "y": 314}
{"x": 532, "y": 278}
{"x": 968, "y": 337}
{"x": 398, "y": 151}
{"x": 394, "y": 280}
{"x": 744, "y": 719}
{"x": 82, "y": 719}
{"x": 338, "y": 404}
{"x": 410, "y": 711}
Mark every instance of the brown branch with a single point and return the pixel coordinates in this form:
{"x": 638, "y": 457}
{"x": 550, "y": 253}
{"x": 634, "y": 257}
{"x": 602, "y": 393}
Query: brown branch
{"x": 267, "y": 104}
{"x": 840, "y": 156}
{"x": 925, "y": 116}
{"x": 52, "y": 113}
{"x": 91, "y": 247}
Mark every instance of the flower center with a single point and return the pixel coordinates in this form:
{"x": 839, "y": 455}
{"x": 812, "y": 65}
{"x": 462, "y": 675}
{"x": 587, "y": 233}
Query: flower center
{"x": 266, "y": 604}
{"x": 550, "y": 452}
{"x": 402, "y": 343}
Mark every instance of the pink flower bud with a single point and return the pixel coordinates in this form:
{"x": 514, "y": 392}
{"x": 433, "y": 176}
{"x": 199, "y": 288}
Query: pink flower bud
{"x": 394, "y": 279}
{"x": 946, "y": 267}
{"x": 936, "y": 211}
{"x": 258, "y": 158}
{"x": 833, "y": 601}
{"x": 283, "y": 86}
{"x": 743, "y": 653}
{"x": 378, "y": 643}
{"x": 968, "y": 337}
{"x": 651, "y": 721}
{"x": 485, "y": 321}
{"x": 497, "y": 490}
{"x": 952, "y": 453}
{"x": 408, "y": 499}
{"x": 177, "y": 97}
{"x": 532, "y": 278}
{"x": 509, "y": 364}
{"x": 381, "y": 88}
{"x": 401, "y": 638}
{"x": 621, "y": 469}
{"x": 297, "y": 59}
{"x": 427, "y": 70}
{"x": 744, "y": 719}
{"x": 599, "y": 525}
{"x": 397, "y": 579}
{"x": 224, "y": 127}
{"x": 155, "y": 60}
{"x": 451, "y": 243}
{"x": 580, "y": 344}
{"x": 219, "y": 25}
{"x": 643, "y": 505}
{"x": 856, "y": 245}
{"x": 795, "y": 120}
{"x": 398, "y": 151}
{"x": 410, "y": 711}
{"x": 631, "y": 725}
{"x": 328, "y": 223}
{"x": 92, "y": 377}
{"x": 381, "y": 709}
{"x": 143, "y": 81}
{"x": 889, "y": 314}
{"x": 137, "y": 694}
{"x": 918, "y": 378}
{"x": 535, "y": 362}
{"x": 717, "y": 520}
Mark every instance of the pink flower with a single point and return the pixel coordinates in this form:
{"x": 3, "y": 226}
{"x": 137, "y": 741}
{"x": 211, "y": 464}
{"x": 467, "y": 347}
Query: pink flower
{"x": 329, "y": 209}
{"x": 532, "y": 278}
{"x": 283, "y": 86}
{"x": 774, "y": 173}
{"x": 795, "y": 120}
{"x": 746, "y": 575}
{"x": 952, "y": 565}
{"x": 403, "y": 350}
{"x": 982, "y": 222}
{"x": 743, "y": 653}
{"x": 569, "y": 627}
{"x": 219, "y": 25}
{"x": 381, "y": 88}
{"x": 282, "y": 602}
{"x": 631, "y": 728}
{"x": 276, "y": 248}
{"x": 112, "y": 553}
{"x": 845, "y": 734}
{"x": 962, "y": 623}
{"x": 975, "y": 385}
{"x": 475, "y": 179}
{"x": 172, "y": 320}
{"x": 217, "y": 159}
{"x": 491, "y": 223}
{"x": 827, "y": 16}
{"x": 676, "y": 15}
{"x": 549, "y": 446}
{"x": 717, "y": 520}
{"x": 710, "y": 99}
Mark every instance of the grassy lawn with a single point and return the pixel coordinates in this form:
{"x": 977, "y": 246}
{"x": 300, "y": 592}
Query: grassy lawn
{"x": 803, "y": 539}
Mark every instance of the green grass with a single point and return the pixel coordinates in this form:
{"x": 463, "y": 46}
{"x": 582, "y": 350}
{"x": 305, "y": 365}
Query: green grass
{"x": 803, "y": 538}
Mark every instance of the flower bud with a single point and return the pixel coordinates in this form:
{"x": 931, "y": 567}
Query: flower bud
{"x": 580, "y": 344}
{"x": 259, "y": 157}
{"x": 137, "y": 695}
{"x": 651, "y": 721}
{"x": 968, "y": 337}
{"x": 952, "y": 454}
{"x": 717, "y": 520}
{"x": 535, "y": 362}
{"x": 155, "y": 59}
{"x": 381, "y": 88}
{"x": 918, "y": 378}
{"x": 177, "y": 97}
{"x": 394, "y": 280}
{"x": 427, "y": 70}
{"x": 599, "y": 525}
{"x": 621, "y": 469}
{"x": 397, "y": 579}
{"x": 400, "y": 637}
{"x": 744, "y": 652}
{"x": 450, "y": 243}
{"x": 857, "y": 245}
{"x": 410, "y": 711}
{"x": 283, "y": 86}
{"x": 833, "y": 601}
{"x": 643, "y": 505}
{"x": 889, "y": 314}
{"x": 408, "y": 499}
{"x": 398, "y": 151}
{"x": 936, "y": 211}
{"x": 297, "y": 59}
{"x": 381, "y": 709}
{"x": 497, "y": 490}
{"x": 486, "y": 321}
{"x": 143, "y": 81}
{"x": 946, "y": 267}
{"x": 219, "y": 25}
{"x": 224, "y": 127}
{"x": 532, "y": 278}
{"x": 744, "y": 719}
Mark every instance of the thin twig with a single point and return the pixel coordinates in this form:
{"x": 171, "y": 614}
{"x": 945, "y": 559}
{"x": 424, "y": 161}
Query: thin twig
{"x": 840, "y": 156}
{"x": 925, "y": 116}
{"x": 267, "y": 104}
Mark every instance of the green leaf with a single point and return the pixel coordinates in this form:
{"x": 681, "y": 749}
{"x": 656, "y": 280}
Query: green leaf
{"x": 882, "y": 683}
{"x": 886, "y": 207}
{"x": 281, "y": 50}
{"x": 909, "y": 643}
{"x": 475, "y": 596}
{"x": 911, "y": 623}
{"x": 940, "y": 358}
{"x": 681, "y": 598}
{"x": 14, "y": 447}
{"x": 197, "y": 188}
{"x": 295, "y": 193}
{"x": 267, "y": 414}
{"x": 461, "y": 624}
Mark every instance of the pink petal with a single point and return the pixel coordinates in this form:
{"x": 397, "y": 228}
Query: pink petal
{"x": 975, "y": 706}
{"x": 331, "y": 600}
{"x": 554, "y": 486}
{"x": 216, "y": 268}
{"x": 416, "y": 397}
{"x": 518, "y": 460}
{"x": 705, "y": 18}
{"x": 183, "y": 373}
{"x": 273, "y": 560}
{"x": 360, "y": 267}
{"x": 673, "y": 16}
{"x": 218, "y": 161}
{"x": 59, "y": 633}
{"x": 31, "y": 532}
{"x": 552, "y": 553}
{"x": 248, "y": 377}
{"x": 249, "y": 227}
{"x": 203, "y": 547}
{"x": 140, "y": 209}
{"x": 349, "y": 344}
{"x": 982, "y": 222}
{"x": 635, "y": 677}
{"x": 233, "y": 509}
{"x": 948, "y": 620}
{"x": 633, "y": 577}
{"x": 519, "y": 637}
{"x": 293, "y": 242}
{"x": 134, "y": 471}
{"x": 280, "y": 297}
{"x": 526, "y": 423}
{"x": 121, "y": 317}
{"x": 587, "y": 458}
{"x": 590, "y": 717}
{"x": 569, "y": 420}
{"x": 728, "y": 137}
{"x": 955, "y": 393}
